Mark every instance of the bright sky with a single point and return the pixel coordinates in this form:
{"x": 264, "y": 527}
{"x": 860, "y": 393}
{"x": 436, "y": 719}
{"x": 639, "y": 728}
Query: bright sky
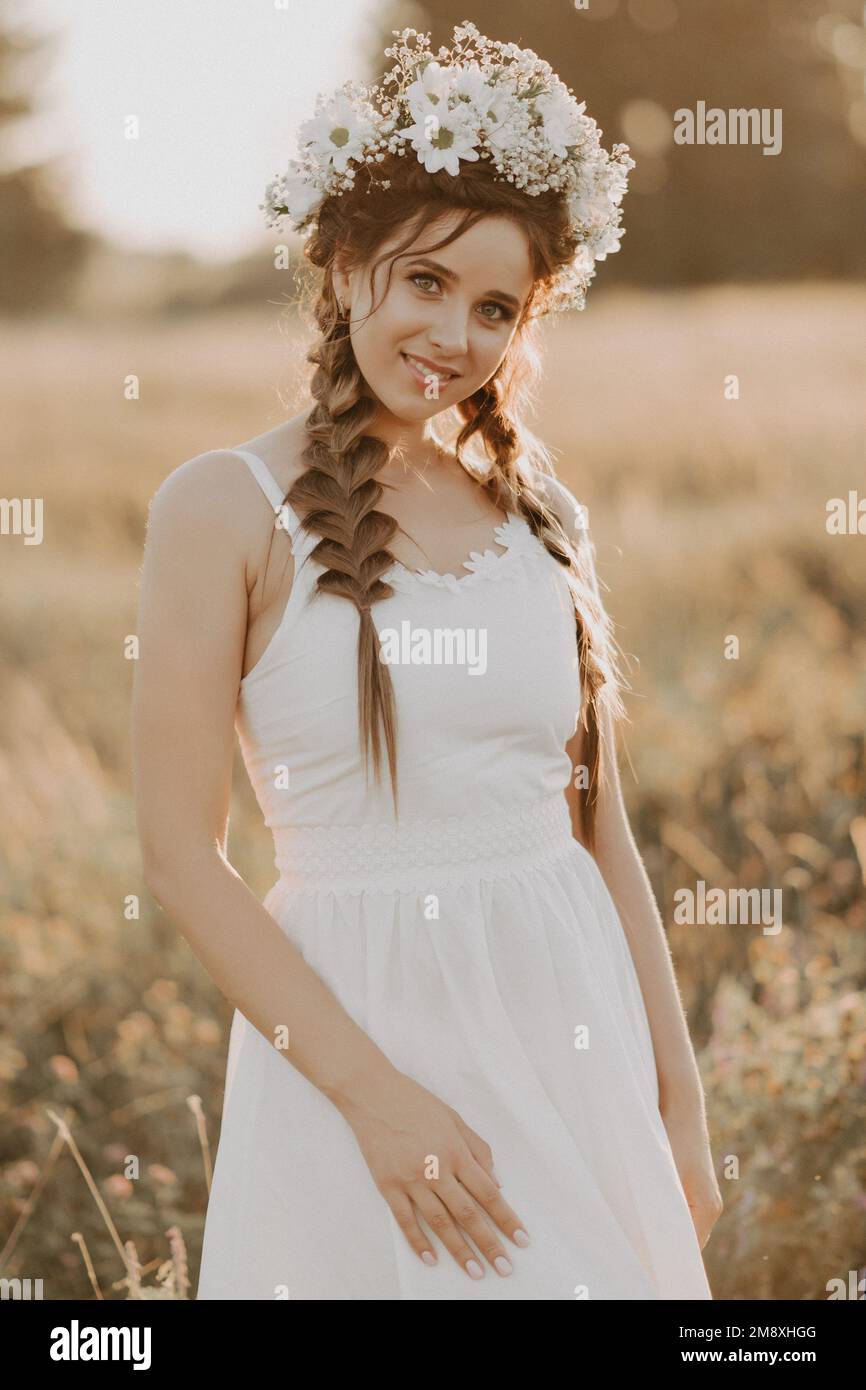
{"x": 219, "y": 88}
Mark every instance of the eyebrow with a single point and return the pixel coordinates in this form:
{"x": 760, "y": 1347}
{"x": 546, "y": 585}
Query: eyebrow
{"x": 447, "y": 274}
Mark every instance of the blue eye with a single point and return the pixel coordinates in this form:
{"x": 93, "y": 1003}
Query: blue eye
{"x": 505, "y": 315}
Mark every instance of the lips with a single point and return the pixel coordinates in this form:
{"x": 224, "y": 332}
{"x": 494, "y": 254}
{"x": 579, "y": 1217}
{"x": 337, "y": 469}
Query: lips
{"x": 422, "y": 371}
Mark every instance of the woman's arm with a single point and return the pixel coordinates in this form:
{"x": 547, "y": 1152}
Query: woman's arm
{"x": 624, "y": 873}
{"x": 681, "y": 1095}
{"x": 192, "y": 630}
{"x": 627, "y": 880}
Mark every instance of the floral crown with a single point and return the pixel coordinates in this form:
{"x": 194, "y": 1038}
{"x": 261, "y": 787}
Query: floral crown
{"x": 481, "y": 99}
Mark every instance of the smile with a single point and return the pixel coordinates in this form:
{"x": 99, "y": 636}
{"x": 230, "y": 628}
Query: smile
{"x": 423, "y": 373}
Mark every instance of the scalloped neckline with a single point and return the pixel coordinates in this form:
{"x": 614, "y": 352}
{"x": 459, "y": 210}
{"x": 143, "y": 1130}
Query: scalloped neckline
{"x": 478, "y": 562}
{"x": 515, "y": 534}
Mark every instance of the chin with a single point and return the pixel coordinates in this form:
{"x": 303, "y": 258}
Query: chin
{"x": 406, "y": 408}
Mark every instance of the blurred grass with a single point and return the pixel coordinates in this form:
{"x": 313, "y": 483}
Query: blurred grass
{"x": 709, "y": 520}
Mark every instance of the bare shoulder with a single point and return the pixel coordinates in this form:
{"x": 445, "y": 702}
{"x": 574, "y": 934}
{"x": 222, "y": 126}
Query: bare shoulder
{"x": 206, "y": 488}
{"x": 214, "y": 499}
{"x": 214, "y": 484}
{"x": 572, "y": 514}
{"x": 205, "y": 505}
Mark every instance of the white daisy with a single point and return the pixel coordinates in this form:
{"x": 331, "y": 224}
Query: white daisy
{"x": 442, "y": 141}
{"x": 337, "y": 133}
{"x": 471, "y": 83}
{"x": 504, "y": 122}
{"x": 561, "y": 115}
{"x": 430, "y": 90}
{"x": 502, "y": 117}
{"x": 301, "y": 198}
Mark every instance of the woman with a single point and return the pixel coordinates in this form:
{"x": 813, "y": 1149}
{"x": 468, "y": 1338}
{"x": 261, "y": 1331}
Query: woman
{"x": 458, "y": 1064}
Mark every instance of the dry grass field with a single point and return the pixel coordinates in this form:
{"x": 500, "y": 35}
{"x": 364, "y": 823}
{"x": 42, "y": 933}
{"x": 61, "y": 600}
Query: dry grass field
{"x": 709, "y": 520}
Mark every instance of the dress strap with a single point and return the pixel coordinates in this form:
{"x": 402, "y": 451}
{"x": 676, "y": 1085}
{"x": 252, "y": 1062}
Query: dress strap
{"x": 272, "y": 490}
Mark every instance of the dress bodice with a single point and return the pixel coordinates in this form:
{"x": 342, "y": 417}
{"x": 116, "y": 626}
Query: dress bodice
{"x": 486, "y": 684}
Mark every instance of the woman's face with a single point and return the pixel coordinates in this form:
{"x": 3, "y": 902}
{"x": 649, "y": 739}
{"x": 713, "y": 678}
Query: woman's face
{"x": 447, "y": 319}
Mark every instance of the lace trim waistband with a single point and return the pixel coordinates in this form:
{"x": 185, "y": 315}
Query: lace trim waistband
{"x": 422, "y": 855}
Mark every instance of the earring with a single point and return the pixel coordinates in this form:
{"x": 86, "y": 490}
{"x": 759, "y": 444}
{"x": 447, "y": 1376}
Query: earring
{"x": 341, "y": 308}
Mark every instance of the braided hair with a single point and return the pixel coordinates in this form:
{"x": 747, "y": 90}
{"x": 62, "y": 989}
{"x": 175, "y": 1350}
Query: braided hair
{"x": 338, "y": 496}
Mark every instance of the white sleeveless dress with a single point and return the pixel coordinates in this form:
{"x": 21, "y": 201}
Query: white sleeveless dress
{"x": 476, "y": 942}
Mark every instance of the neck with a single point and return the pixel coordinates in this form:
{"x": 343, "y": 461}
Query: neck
{"x": 425, "y": 459}
{"x": 412, "y": 451}
{"x": 411, "y": 442}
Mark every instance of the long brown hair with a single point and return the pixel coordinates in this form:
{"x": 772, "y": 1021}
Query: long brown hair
{"x": 338, "y": 495}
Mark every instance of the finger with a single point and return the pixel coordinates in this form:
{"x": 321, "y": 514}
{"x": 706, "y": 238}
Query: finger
{"x": 469, "y": 1217}
{"x": 439, "y": 1220}
{"x": 479, "y": 1148}
{"x": 404, "y": 1215}
{"x": 488, "y": 1195}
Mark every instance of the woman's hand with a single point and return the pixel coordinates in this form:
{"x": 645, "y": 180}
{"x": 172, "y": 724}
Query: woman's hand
{"x": 423, "y": 1155}
{"x": 690, "y": 1144}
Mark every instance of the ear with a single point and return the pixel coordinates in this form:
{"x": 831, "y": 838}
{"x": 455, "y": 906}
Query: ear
{"x": 340, "y": 283}
{"x": 339, "y": 278}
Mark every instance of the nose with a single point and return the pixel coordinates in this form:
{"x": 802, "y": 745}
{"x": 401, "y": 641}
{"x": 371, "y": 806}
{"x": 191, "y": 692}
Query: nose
{"x": 449, "y": 333}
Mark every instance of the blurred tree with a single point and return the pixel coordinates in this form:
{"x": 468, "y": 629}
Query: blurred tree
{"x": 700, "y": 213}
{"x": 39, "y": 251}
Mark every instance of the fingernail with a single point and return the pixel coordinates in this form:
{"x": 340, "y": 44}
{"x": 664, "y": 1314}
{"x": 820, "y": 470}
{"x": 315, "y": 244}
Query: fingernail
{"x": 521, "y": 1238}
{"x": 428, "y": 1258}
{"x": 474, "y": 1269}
{"x": 496, "y": 1177}
{"x": 502, "y": 1264}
